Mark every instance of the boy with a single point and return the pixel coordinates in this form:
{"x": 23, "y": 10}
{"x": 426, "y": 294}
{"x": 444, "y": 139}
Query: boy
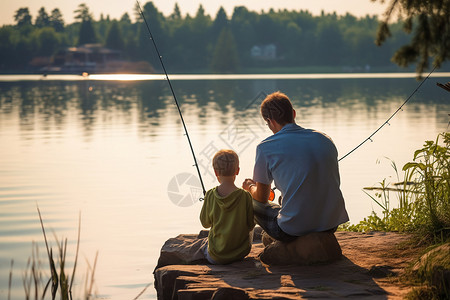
{"x": 228, "y": 210}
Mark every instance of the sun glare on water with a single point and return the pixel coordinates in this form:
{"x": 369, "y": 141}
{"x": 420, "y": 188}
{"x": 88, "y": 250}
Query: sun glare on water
{"x": 126, "y": 77}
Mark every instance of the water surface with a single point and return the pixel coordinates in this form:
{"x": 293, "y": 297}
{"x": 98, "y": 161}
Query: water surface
{"x": 111, "y": 150}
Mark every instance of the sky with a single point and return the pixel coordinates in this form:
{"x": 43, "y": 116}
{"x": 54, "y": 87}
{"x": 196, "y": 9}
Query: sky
{"x": 116, "y": 8}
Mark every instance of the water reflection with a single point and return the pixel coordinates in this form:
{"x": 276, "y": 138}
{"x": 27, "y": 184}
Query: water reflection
{"x": 51, "y": 101}
{"x": 109, "y": 149}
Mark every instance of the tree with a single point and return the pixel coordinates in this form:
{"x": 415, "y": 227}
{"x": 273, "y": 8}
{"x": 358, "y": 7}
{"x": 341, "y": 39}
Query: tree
{"x": 429, "y": 24}
{"x": 220, "y": 22}
{"x": 22, "y": 17}
{"x": 47, "y": 41}
{"x": 330, "y": 43}
{"x": 244, "y": 28}
{"x": 7, "y": 51}
{"x": 42, "y": 20}
{"x": 114, "y": 38}
{"x": 155, "y": 21}
{"x": 176, "y": 14}
{"x": 225, "y": 58}
{"x": 87, "y": 33}
{"x": 83, "y": 13}
{"x": 23, "y": 51}
{"x": 125, "y": 19}
{"x": 56, "y": 20}
{"x": 102, "y": 27}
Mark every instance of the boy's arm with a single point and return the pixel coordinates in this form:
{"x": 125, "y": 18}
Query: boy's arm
{"x": 204, "y": 214}
{"x": 250, "y": 217}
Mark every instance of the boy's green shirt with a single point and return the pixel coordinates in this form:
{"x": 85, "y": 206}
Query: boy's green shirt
{"x": 231, "y": 220}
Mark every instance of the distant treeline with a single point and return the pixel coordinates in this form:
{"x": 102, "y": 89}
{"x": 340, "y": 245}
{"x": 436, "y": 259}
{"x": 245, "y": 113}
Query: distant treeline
{"x": 242, "y": 41}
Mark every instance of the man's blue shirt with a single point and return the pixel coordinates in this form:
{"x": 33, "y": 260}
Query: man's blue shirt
{"x": 303, "y": 165}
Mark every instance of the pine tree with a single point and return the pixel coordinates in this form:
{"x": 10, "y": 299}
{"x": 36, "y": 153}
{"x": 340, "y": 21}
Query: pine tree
{"x": 23, "y": 17}
{"x": 429, "y": 24}
{"x": 225, "y": 58}
{"x": 56, "y": 20}
{"x": 87, "y": 33}
{"x": 42, "y": 20}
{"x": 114, "y": 38}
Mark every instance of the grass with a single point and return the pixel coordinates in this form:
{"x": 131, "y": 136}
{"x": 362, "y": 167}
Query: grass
{"x": 423, "y": 209}
{"x": 60, "y": 281}
{"x": 36, "y": 284}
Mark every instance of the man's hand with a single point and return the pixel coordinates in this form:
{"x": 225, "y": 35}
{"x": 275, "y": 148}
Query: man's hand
{"x": 247, "y": 183}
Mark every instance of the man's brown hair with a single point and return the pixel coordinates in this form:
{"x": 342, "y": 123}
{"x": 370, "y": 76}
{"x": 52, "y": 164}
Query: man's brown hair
{"x": 277, "y": 107}
{"x": 226, "y": 162}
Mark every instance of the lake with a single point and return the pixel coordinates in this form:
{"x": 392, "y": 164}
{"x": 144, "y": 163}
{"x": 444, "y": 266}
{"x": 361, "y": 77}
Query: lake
{"x": 112, "y": 149}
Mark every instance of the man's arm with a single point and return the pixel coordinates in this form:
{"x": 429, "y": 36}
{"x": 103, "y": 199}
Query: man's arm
{"x": 259, "y": 191}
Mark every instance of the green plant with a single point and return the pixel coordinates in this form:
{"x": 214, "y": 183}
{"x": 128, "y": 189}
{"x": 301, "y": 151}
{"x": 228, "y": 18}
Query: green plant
{"x": 33, "y": 277}
{"x": 423, "y": 195}
{"x": 431, "y": 167}
{"x": 400, "y": 219}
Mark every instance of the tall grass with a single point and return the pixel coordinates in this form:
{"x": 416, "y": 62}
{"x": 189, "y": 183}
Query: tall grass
{"x": 34, "y": 282}
{"x": 432, "y": 167}
{"x": 401, "y": 218}
{"x": 423, "y": 195}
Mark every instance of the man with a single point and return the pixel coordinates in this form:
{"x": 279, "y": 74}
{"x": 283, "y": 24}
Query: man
{"x": 303, "y": 165}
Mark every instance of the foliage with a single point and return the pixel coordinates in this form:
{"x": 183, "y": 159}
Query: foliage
{"x": 188, "y": 43}
{"x": 83, "y": 13}
{"x": 87, "y": 34}
{"x": 42, "y": 20}
{"x": 225, "y": 58}
{"x": 46, "y": 40}
{"x": 114, "y": 38}
{"x": 23, "y": 17}
{"x": 56, "y": 20}
{"x": 432, "y": 167}
{"x": 423, "y": 195}
{"x": 429, "y": 24}
{"x": 401, "y": 218}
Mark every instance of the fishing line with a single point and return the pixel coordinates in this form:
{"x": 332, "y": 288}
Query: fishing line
{"x": 173, "y": 94}
{"x": 387, "y": 121}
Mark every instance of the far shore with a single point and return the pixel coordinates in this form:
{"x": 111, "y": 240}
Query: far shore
{"x": 261, "y": 70}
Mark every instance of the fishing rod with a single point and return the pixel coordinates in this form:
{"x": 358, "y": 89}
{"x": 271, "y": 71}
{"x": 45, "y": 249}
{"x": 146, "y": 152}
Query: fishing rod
{"x": 387, "y": 121}
{"x": 173, "y": 94}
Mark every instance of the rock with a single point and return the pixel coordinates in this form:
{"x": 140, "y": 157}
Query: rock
{"x": 182, "y": 250}
{"x": 434, "y": 266}
{"x": 226, "y": 293}
{"x": 317, "y": 247}
{"x": 185, "y": 248}
{"x": 381, "y": 271}
{"x": 360, "y": 273}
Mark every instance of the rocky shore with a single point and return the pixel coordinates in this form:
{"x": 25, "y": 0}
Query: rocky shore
{"x": 369, "y": 268}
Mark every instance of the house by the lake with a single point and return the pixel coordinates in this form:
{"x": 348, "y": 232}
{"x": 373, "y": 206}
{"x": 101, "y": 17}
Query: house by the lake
{"x": 93, "y": 58}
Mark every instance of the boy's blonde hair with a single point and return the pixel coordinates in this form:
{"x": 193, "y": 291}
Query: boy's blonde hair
{"x": 226, "y": 162}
